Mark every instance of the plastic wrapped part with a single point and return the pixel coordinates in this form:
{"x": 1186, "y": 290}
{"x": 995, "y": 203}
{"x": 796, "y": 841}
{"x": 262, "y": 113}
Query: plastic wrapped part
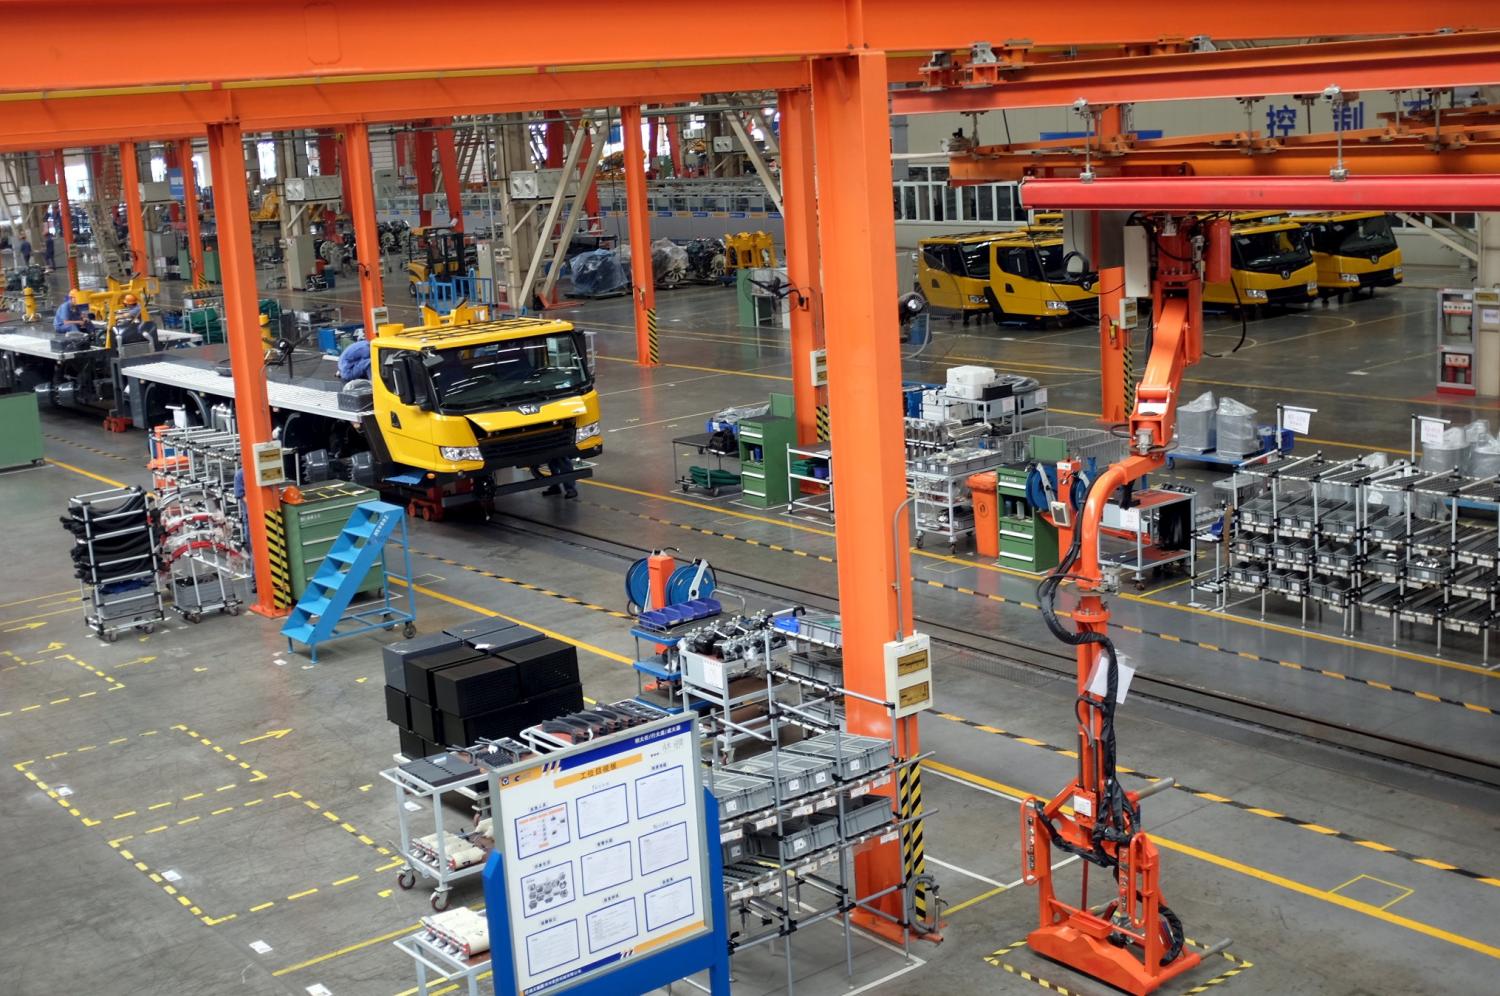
{"x": 1484, "y": 458}
{"x": 669, "y": 263}
{"x": 357, "y": 396}
{"x": 736, "y": 414}
{"x": 1195, "y": 423}
{"x": 598, "y": 272}
{"x": 1235, "y": 428}
{"x": 1447, "y": 455}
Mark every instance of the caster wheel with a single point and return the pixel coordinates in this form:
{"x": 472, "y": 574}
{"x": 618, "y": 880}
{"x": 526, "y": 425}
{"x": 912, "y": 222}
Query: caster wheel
{"x": 233, "y": 610}
{"x": 389, "y": 627}
{"x": 952, "y": 549}
{"x": 439, "y": 901}
{"x": 713, "y": 492}
{"x": 192, "y": 617}
{"x": 148, "y": 628}
{"x": 406, "y": 879}
{"x": 409, "y": 630}
{"x": 920, "y": 540}
{"x": 110, "y": 637}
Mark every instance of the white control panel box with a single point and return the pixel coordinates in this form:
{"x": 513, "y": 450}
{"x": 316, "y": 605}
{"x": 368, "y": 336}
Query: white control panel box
{"x": 908, "y": 674}
{"x": 313, "y": 188}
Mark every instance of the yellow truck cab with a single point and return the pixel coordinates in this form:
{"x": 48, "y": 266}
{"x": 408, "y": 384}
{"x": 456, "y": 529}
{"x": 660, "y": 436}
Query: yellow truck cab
{"x": 460, "y": 401}
{"x": 1353, "y": 250}
{"x": 1024, "y": 275}
{"x": 1270, "y": 264}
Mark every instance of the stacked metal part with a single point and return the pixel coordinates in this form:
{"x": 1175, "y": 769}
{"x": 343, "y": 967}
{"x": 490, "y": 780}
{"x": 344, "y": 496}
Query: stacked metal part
{"x": 116, "y": 557}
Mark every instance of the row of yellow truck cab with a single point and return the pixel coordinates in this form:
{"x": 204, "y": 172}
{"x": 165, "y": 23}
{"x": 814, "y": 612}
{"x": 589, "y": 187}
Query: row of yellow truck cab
{"x": 1277, "y": 258}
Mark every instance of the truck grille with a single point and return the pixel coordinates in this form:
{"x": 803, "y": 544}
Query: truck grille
{"x": 519, "y": 445}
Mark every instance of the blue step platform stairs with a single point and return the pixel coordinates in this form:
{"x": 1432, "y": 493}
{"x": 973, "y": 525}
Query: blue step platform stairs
{"x": 324, "y": 606}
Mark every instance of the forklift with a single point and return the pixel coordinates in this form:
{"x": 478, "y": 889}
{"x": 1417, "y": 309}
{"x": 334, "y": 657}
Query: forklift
{"x": 437, "y": 253}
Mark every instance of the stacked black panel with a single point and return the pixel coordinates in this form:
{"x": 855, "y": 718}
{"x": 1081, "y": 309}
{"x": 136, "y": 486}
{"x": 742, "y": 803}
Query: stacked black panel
{"x": 488, "y": 679}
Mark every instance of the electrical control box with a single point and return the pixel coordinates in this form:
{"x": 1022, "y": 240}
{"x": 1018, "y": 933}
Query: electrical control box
{"x": 313, "y": 188}
{"x": 534, "y": 184}
{"x": 154, "y": 192}
{"x": 1130, "y": 313}
{"x": 1137, "y": 262}
{"x": 38, "y": 193}
{"x": 818, "y": 359}
{"x": 270, "y": 464}
{"x": 908, "y": 674}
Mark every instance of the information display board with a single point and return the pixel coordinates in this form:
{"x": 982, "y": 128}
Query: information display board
{"x": 604, "y": 855}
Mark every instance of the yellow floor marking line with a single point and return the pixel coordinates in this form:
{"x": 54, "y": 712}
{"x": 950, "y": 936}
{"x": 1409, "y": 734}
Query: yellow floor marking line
{"x": 87, "y": 473}
{"x": 1260, "y": 874}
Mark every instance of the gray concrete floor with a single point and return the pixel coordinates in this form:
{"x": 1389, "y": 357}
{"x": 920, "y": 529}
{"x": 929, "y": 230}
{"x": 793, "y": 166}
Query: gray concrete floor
{"x": 145, "y": 830}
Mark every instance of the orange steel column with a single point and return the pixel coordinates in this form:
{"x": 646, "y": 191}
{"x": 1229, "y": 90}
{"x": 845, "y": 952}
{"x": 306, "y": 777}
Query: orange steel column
{"x": 674, "y": 145}
{"x": 422, "y": 164}
{"x": 362, "y": 211}
{"x": 852, "y": 125}
{"x": 800, "y": 214}
{"x": 65, "y": 217}
{"x": 242, "y": 322}
{"x": 130, "y": 179}
{"x": 190, "y": 208}
{"x": 1114, "y": 342}
{"x": 643, "y": 284}
{"x": 447, "y": 152}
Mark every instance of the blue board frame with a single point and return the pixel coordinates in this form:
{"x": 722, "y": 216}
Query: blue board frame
{"x": 708, "y": 951}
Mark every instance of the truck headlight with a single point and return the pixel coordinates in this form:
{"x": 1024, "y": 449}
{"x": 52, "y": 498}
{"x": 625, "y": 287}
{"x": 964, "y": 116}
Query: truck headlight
{"x": 1255, "y": 294}
{"x": 587, "y": 431}
{"x": 1348, "y": 278}
{"x": 1057, "y": 306}
{"x": 1396, "y": 272}
{"x": 976, "y": 298}
{"x": 1312, "y": 286}
{"x": 458, "y": 454}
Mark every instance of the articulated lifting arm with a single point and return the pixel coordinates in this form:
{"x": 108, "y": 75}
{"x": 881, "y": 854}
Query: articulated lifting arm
{"x": 1135, "y": 943}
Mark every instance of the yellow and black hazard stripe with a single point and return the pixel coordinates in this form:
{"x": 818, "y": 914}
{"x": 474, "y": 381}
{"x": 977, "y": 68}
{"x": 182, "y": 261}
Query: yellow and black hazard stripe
{"x": 703, "y": 531}
{"x": 1237, "y": 966}
{"x": 525, "y": 585}
{"x": 89, "y": 449}
{"x": 1238, "y": 655}
{"x": 653, "y": 337}
{"x": 913, "y": 846}
{"x": 1129, "y": 393}
{"x": 824, "y": 434}
{"x": 1244, "y": 807}
{"x": 276, "y": 552}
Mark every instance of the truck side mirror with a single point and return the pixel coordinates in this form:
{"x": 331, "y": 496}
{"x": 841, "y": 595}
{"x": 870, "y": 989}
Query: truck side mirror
{"x": 395, "y": 373}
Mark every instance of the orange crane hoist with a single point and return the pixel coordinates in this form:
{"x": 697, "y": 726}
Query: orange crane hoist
{"x": 1134, "y": 941}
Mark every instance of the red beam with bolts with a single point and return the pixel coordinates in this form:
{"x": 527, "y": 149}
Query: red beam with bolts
{"x": 1476, "y": 192}
{"x": 65, "y": 217}
{"x": 1411, "y": 63}
{"x": 130, "y": 179}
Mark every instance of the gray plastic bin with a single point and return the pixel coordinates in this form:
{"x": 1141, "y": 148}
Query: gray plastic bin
{"x": 852, "y": 756}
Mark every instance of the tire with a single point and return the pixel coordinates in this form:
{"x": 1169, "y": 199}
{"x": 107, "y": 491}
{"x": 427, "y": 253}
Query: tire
{"x": 405, "y": 880}
{"x": 439, "y": 901}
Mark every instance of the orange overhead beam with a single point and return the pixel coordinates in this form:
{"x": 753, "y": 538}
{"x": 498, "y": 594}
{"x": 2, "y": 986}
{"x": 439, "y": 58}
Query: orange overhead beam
{"x": 106, "y": 117}
{"x": 1427, "y": 61}
{"x": 329, "y": 38}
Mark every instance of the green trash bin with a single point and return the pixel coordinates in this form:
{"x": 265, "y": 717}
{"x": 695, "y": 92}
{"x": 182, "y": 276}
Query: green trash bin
{"x": 313, "y": 525}
{"x": 21, "y": 442}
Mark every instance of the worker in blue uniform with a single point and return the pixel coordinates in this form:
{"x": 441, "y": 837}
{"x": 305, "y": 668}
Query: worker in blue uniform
{"x": 71, "y": 316}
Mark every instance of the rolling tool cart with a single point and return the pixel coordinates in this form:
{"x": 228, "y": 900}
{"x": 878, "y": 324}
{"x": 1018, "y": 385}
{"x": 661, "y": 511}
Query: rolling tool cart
{"x": 441, "y": 857}
{"x": 117, "y": 559}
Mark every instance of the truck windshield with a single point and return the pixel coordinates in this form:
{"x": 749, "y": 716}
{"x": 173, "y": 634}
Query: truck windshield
{"x": 1357, "y": 237}
{"x": 977, "y": 260}
{"x": 513, "y": 372}
{"x": 1269, "y": 251}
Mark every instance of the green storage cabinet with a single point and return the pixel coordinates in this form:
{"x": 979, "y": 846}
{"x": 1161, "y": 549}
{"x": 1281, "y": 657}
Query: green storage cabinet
{"x": 763, "y": 481}
{"x": 313, "y": 525}
{"x": 211, "y": 271}
{"x": 1028, "y": 542}
{"x": 20, "y": 430}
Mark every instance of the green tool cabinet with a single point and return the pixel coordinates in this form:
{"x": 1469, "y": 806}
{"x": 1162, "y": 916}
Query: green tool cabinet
{"x": 1028, "y": 542}
{"x": 763, "y": 481}
{"x": 20, "y": 430}
{"x": 313, "y": 525}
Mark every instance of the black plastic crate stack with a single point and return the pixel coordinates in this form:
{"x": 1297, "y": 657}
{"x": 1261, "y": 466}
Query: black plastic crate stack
{"x": 117, "y": 557}
{"x": 487, "y": 679}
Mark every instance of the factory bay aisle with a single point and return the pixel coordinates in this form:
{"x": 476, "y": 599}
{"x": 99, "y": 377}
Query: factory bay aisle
{"x": 225, "y": 790}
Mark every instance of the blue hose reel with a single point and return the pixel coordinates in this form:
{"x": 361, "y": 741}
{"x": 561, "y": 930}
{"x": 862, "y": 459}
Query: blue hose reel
{"x": 680, "y": 584}
{"x": 1036, "y": 494}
